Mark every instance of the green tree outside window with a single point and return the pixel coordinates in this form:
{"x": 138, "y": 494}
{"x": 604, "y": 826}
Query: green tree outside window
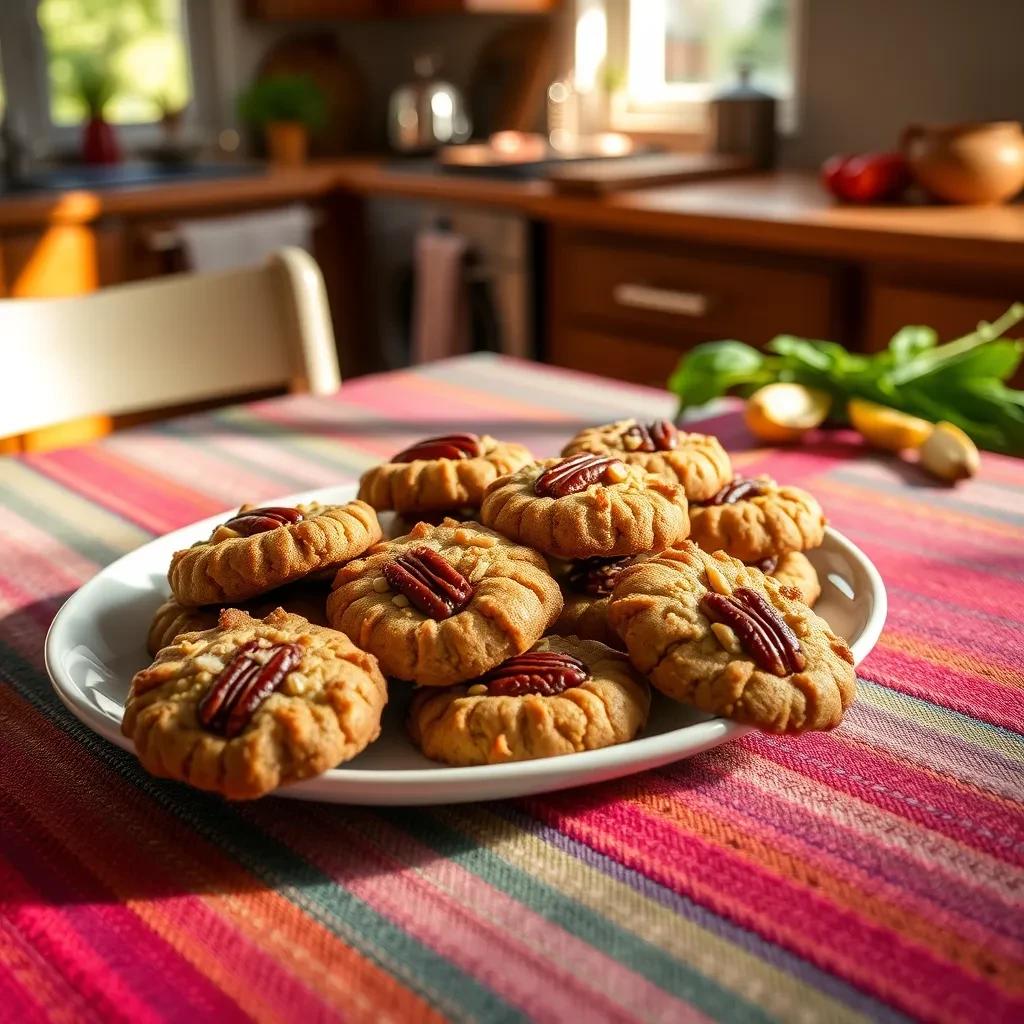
{"x": 140, "y": 44}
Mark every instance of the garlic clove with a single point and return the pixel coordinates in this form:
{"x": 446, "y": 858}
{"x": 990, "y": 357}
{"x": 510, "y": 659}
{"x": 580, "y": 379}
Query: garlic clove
{"x": 949, "y": 453}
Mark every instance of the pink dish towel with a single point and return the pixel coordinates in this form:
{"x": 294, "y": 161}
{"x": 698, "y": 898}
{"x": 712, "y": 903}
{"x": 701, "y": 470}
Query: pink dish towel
{"x": 440, "y": 319}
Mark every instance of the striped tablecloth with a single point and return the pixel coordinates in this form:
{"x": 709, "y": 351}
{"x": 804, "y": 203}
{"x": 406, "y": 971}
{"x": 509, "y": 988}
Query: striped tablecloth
{"x": 870, "y": 873}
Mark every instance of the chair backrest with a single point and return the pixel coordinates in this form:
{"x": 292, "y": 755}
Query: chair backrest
{"x": 166, "y": 342}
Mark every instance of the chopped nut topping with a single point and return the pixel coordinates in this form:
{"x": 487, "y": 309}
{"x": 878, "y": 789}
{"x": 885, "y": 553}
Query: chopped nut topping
{"x": 209, "y": 663}
{"x": 717, "y": 581}
{"x": 400, "y": 600}
{"x": 380, "y": 585}
{"x": 477, "y": 690}
{"x": 616, "y": 473}
{"x": 726, "y": 637}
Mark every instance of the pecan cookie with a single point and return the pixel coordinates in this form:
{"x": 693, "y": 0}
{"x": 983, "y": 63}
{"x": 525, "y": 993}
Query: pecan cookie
{"x": 794, "y": 570}
{"x": 172, "y": 619}
{"x": 697, "y": 461}
{"x": 440, "y": 473}
{"x": 587, "y": 505}
{"x": 444, "y": 603}
{"x": 587, "y": 585}
{"x": 261, "y": 549}
{"x": 563, "y": 696}
{"x": 254, "y": 704}
{"x": 710, "y": 631}
{"x": 755, "y": 518}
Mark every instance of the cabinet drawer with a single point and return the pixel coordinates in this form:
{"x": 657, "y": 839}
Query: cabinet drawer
{"x": 665, "y": 290}
{"x": 642, "y": 362}
{"x": 892, "y": 306}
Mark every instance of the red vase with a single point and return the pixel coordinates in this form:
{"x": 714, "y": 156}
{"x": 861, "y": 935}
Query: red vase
{"x": 99, "y": 142}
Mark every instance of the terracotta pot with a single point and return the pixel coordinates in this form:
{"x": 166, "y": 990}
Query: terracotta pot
{"x": 979, "y": 162}
{"x": 99, "y": 142}
{"x": 287, "y": 142}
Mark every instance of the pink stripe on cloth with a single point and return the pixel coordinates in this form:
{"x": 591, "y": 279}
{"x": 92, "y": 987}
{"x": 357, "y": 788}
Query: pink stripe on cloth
{"x": 964, "y": 815}
{"x": 795, "y": 917}
{"x": 849, "y": 855}
{"x": 54, "y": 935}
{"x": 140, "y": 497}
{"x": 544, "y": 970}
{"x": 143, "y": 954}
{"x": 203, "y": 468}
{"x": 935, "y": 751}
{"x": 943, "y": 686}
{"x": 969, "y": 882}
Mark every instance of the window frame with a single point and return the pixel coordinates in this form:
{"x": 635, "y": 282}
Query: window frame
{"x": 27, "y": 86}
{"x": 685, "y": 110}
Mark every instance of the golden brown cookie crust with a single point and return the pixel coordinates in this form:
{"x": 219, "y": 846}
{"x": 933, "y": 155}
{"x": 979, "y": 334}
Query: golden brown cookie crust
{"x": 229, "y": 568}
{"x": 586, "y": 617}
{"x": 772, "y": 524}
{"x": 643, "y": 512}
{"x": 795, "y": 570}
{"x": 438, "y": 485}
{"x": 515, "y": 599}
{"x": 655, "y": 609}
{"x": 327, "y": 710}
{"x": 610, "y": 707}
{"x": 172, "y": 619}
{"x": 698, "y": 462}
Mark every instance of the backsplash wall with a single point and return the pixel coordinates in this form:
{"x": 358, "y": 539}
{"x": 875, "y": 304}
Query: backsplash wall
{"x": 870, "y": 67}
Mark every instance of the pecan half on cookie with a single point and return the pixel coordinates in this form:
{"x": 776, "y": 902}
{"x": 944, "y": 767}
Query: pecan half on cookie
{"x": 261, "y": 549}
{"x": 698, "y": 462}
{"x": 253, "y": 704}
{"x": 587, "y": 586}
{"x": 585, "y": 506}
{"x": 563, "y": 696}
{"x": 713, "y": 632}
{"x": 440, "y": 474}
{"x": 445, "y": 603}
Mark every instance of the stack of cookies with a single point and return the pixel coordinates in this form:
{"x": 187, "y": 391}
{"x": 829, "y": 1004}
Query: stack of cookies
{"x": 531, "y": 605}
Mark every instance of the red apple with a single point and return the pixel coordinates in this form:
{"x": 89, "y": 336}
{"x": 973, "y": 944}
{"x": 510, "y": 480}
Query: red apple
{"x": 831, "y": 169}
{"x": 867, "y": 178}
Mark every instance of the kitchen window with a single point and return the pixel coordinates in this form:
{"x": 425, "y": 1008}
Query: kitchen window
{"x": 662, "y": 60}
{"x": 141, "y": 44}
{"x": 53, "y": 49}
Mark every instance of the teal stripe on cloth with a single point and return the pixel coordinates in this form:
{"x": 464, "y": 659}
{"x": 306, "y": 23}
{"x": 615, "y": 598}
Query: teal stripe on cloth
{"x": 643, "y": 957}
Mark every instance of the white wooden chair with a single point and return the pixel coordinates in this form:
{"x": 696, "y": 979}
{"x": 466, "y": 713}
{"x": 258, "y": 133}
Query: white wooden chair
{"x": 166, "y": 342}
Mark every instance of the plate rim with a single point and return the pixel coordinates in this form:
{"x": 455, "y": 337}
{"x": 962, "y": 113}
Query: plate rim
{"x": 646, "y": 749}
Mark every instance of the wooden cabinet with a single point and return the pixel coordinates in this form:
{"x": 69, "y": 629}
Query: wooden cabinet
{"x": 298, "y": 10}
{"x": 629, "y": 307}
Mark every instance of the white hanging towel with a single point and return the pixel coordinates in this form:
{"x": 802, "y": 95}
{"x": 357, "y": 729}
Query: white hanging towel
{"x": 224, "y": 243}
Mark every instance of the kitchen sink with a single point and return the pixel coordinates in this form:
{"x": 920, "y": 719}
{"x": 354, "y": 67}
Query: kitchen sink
{"x": 132, "y": 175}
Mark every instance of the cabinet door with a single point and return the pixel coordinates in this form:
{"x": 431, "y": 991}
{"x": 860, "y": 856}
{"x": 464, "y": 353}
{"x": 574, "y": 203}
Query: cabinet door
{"x": 295, "y": 10}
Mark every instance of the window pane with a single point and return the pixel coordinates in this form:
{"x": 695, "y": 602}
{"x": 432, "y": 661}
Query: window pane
{"x": 706, "y": 39}
{"x": 133, "y": 50}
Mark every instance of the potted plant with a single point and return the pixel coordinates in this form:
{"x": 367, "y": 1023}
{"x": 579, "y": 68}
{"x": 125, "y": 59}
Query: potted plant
{"x": 287, "y": 108}
{"x": 96, "y": 83}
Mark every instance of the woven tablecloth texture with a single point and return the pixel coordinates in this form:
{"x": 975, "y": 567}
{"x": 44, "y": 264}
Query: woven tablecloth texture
{"x": 869, "y": 873}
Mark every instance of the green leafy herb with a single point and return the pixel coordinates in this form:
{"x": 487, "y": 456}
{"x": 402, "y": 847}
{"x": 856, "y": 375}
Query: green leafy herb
{"x": 962, "y": 381}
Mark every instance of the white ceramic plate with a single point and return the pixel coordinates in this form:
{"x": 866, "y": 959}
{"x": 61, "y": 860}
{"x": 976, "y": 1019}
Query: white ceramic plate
{"x": 97, "y": 642}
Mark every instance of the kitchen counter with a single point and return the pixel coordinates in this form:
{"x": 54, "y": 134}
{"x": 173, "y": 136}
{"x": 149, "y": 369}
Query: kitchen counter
{"x": 783, "y": 210}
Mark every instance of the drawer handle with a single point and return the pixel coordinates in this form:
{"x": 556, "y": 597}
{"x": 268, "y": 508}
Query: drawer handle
{"x": 661, "y": 300}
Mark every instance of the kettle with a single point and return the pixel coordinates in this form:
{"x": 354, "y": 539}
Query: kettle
{"x": 428, "y": 112}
